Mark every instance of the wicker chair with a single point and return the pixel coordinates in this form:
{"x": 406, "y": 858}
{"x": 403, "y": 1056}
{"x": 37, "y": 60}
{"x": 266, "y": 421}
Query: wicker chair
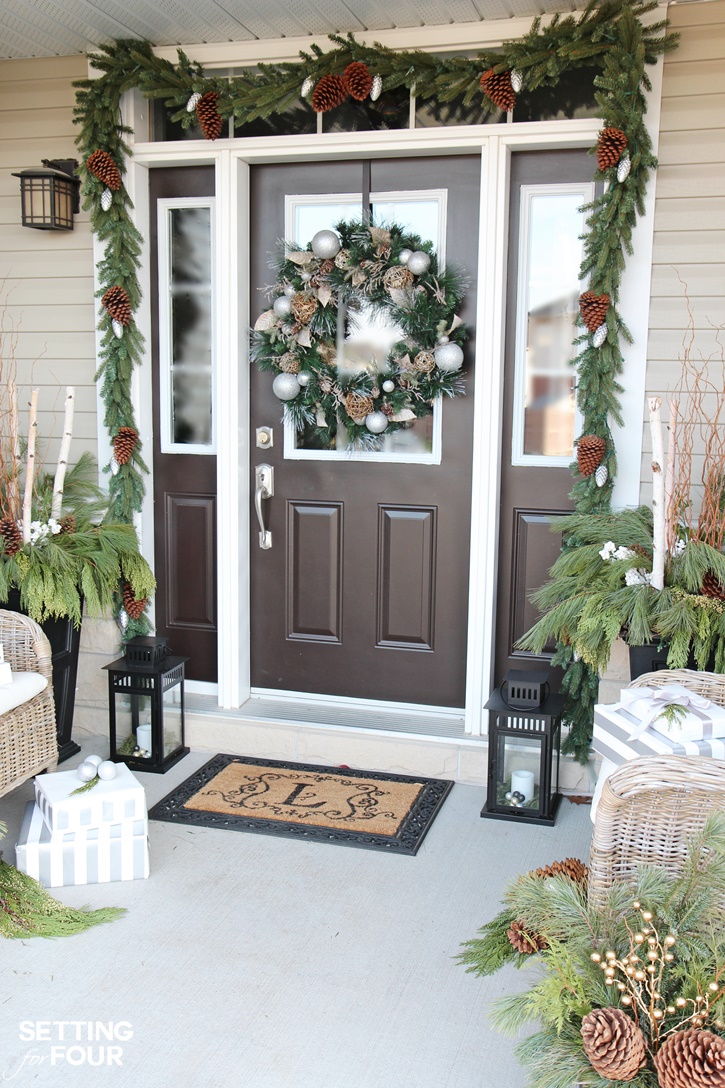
{"x": 650, "y": 806}
{"x": 28, "y": 742}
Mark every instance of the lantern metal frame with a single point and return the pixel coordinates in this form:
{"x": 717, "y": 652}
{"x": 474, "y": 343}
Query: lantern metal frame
{"x": 542, "y": 725}
{"x": 152, "y": 682}
{"x": 50, "y": 195}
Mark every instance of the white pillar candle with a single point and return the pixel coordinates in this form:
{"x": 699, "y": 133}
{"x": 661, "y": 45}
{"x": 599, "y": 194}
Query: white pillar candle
{"x": 143, "y": 737}
{"x": 523, "y": 782}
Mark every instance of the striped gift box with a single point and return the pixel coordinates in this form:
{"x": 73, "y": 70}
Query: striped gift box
{"x": 121, "y": 798}
{"x": 95, "y": 855}
{"x": 613, "y": 726}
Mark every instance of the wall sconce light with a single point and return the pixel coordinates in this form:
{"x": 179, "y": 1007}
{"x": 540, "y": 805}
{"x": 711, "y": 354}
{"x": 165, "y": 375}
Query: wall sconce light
{"x": 50, "y": 195}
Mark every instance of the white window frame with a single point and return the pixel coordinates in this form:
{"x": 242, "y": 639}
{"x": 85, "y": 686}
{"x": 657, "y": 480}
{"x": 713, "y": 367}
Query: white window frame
{"x": 165, "y": 206}
{"x": 585, "y": 190}
{"x": 354, "y": 200}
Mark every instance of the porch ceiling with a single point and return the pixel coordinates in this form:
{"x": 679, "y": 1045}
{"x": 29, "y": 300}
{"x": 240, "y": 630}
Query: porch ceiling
{"x": 46, "y": 28}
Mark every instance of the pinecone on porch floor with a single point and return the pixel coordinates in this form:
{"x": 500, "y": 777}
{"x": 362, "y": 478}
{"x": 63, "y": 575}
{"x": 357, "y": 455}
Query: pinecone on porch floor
{"x": 589, "y": 453}
{"x": 524, "y": 941}
{"x": 613, "y": 1043}
{"x": 102, "y": 166}
{"x": 11, "y": 535}
{"x": 124, "y": 444}
{"x": 133, "y": 607}
{"x": 497, "y": 85}
{"x": 712, "y": 587}
{"x": 572, "y": 868}
{"x": 610, "y": 145}
{"x": 691, "y": 1059}
{"x": 208, "y": 116}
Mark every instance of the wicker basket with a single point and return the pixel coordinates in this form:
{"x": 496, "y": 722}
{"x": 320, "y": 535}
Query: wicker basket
{"x": 711, "y": 685}
{"x": 28, "y": 742}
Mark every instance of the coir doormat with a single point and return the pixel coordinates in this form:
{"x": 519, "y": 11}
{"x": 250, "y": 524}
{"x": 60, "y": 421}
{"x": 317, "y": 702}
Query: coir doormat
{"x": 304, "y": 801}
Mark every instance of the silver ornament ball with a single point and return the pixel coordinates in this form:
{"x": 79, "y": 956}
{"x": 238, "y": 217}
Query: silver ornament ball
{"x": 304, "y": 377}
{"x": 107, "y": 770}
{"x": 449, "y": 357}
{"x": 286, "y": 386}
{"x": 290, "y": 291}
{"x": 418, "y": 262}
{"x": 95, "y": 760}
{"x": 443, "y": 339}
{"x": 405, "y": 255}
{"x": 388, "y": 386}
{"x": 86, "y": 772}
{"x": 376, "y": 422}
{"x": 282, "y": 306}
{"x": 326, "y": 244}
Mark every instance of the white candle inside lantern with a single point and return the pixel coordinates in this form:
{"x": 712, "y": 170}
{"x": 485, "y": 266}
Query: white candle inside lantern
{"x": 523, "y": 782}
{"x": 143, "y": 737}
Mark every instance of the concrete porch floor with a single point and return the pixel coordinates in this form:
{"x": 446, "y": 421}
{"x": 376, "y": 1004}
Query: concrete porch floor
{"x": 250, "y": 961}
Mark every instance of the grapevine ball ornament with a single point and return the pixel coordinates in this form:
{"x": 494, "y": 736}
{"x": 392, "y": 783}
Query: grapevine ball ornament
{"x": 361, "y": 266}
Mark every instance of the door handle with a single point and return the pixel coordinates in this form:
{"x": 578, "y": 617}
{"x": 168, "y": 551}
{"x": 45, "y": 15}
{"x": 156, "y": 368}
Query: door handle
{"x": 263, "y": 489}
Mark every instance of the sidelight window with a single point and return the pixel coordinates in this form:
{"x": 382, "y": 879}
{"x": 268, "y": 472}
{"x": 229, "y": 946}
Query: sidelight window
{"x": 186, "y": 348}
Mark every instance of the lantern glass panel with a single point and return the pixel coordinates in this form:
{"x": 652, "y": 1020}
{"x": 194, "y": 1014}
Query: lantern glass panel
{"x": 133, "y": 724}
{"x": 172, "y": 720}
{"x": 518, "y": 771}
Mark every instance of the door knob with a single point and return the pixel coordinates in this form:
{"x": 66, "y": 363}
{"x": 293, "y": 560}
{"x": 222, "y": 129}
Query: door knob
{"x": 263, "y": 489}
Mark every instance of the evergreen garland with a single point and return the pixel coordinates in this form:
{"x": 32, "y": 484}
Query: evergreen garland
{"x": 609, "y": 36}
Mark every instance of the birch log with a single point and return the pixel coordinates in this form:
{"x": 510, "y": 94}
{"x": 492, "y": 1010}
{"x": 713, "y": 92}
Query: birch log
{"x": 59, "y": 480}
{"x": 670, "y": 477}
{"x": 658, "y": 493}
{"x": 30, "y": 466}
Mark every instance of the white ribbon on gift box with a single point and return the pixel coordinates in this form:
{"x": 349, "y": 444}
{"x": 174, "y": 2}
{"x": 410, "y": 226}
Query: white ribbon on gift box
{"x": 647, "y": 704}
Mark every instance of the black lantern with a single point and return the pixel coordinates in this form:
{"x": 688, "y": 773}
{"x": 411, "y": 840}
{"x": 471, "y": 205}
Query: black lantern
{"x": 524, "y": 741}
{"x": 146, "y": 706}
{"x": 50, "y": 195}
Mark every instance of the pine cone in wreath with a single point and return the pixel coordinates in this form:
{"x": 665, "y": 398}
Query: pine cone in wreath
{"x": 358, "y": 79}
{"x": 133, "y": 607}
{"x": 303, "y": 308}
{"x": 524, "y": 941}
{"x": 11, "y": 535}
{"x": 208, "y": 115}
{"x": 102, "y": 166}
{"x": 712, "y": 587}
{"x": 357, "y": 406}
{"x": 610, "y": 145}
{"x": 497, "y": 85}
{"x": 572, "y": 868}
{"x": 124, "y": 444}
{"x": 329, "y": 92}
{"x": 691, "y": 1059}
{"x": 614, "y": 1044}
{"x": 118, "y": 304}
{"x": 590, "y": 450}
{"x": 68, "y": 524}
{"x": 593, "y": 309}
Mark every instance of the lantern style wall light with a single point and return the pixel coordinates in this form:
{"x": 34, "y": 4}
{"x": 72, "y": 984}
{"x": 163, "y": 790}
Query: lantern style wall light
{"x": 50, "y": 195}
{"x": 524, "y": 740}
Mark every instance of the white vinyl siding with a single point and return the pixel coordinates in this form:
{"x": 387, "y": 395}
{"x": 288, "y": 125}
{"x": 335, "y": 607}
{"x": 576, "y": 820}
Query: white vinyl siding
{"x": 46, "y": 277}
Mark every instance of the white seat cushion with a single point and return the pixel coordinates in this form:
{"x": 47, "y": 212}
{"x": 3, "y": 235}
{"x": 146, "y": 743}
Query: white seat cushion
{"x": 25, "y": 686}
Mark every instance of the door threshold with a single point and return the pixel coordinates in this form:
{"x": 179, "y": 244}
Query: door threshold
{"x": 286, "y": 710}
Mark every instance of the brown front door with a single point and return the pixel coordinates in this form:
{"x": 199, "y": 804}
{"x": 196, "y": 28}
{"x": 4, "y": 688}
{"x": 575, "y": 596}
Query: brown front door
{"x": 364, "y": 591}
{"x": 547, "y": 191}
{"x": 182, "y": 376}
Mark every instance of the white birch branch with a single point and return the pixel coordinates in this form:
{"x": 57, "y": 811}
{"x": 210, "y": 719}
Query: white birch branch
{"x": 30, "y": 466}
{"x": 13, "y": 485}
{"x": 670, "y": 477}
{"x": 59, "y": 480}
{"x": 658, "y": 493}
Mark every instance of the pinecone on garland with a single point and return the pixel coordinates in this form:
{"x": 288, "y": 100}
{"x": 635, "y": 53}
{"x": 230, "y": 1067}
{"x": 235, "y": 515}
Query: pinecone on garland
{"x": 691, "y": 1059}
{"x": 208, "y": 116}
{"x": 303, "y": 308}
{"x": 590, "y": 451}
{"x": 68, "y": 524}
{"x": 118, "y": 304}
{"x": 614, "y": 1044}
{"x": 593, "y": 309}
{"x": 712, "y": 587}
{"x": 358, "y": 79}
{"x": 497, "y": 85}
{"x": 102, "y": 166}
{"x": 133, "y": 607}
{"x": 11, "y": 535}
{"x": 572, "y": 868}
{"x": 357, "y": 406}
{"x": 329, "y": 92}
{"x": 124, "y": 444}
{"x": 610, "y": 145}
{"x": 524, "y": 941}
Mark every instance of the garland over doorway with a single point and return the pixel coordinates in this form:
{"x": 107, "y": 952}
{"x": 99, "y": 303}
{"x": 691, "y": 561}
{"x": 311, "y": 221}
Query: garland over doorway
{"x": 610, "y": 36}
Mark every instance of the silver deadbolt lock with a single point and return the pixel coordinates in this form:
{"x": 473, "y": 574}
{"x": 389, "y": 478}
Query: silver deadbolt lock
{"x": 265, "y": 438}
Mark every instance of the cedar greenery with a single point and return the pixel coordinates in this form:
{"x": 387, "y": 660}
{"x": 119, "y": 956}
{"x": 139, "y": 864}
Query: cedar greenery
{"x": 609, "y": 36}
{"x": 570, "y": 978}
